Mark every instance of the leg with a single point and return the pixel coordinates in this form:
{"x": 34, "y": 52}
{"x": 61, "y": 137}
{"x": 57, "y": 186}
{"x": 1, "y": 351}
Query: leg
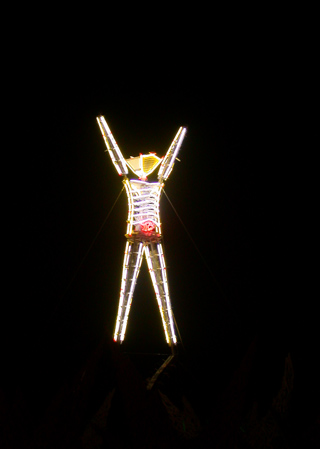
{"x": 157, "y": 269}
{"x": 131, "y": 267}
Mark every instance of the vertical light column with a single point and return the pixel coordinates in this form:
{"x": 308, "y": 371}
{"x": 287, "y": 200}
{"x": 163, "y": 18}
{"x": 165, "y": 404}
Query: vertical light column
{"x": 166, "y": 290}
{"x": 157, "y": 292}
{"x": 133, "y": 283}
{"x": 158, "y": 207}
{"x": 130, "y": 206}
{"x": 124, "y": 280}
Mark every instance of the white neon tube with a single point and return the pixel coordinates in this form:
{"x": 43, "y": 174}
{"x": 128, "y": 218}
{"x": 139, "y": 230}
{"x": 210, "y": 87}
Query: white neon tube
{"x": 122, "y": 288}
{"x": 120, "y": 164}
{"x": 165, "y": 282}
{"x": 130, "y": 206}
{"x": 169, "y": 168}
{"x": 133, "y": 283}
{"x": 115, "y": 146}
{"x": 155, "y": 286}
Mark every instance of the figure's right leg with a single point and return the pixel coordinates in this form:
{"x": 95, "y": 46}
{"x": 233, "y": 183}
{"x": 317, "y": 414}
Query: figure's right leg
{"x": 131, "y": 267}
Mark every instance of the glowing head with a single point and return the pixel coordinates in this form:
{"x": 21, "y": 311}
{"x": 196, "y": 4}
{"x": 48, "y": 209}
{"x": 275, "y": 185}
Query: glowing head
{"x": 144, "y": 164}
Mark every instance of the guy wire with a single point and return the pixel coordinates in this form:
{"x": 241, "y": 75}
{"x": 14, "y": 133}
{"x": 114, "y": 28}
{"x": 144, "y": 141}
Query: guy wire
{"x": 86, "y": 255}
{"x": 201, "y": 256}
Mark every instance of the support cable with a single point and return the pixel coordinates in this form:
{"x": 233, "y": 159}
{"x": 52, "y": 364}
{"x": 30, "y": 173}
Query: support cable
{"x": 86, "y": 255}
{"x": 201, "y": 256}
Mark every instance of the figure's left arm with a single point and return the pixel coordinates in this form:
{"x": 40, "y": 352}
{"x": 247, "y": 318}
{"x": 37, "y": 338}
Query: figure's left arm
{"x": 169, "y": 159}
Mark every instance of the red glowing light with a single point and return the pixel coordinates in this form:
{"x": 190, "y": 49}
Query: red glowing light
{"x": 147, "y": 226}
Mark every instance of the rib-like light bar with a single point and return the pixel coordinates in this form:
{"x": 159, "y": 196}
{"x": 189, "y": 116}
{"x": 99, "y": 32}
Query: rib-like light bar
{"x": 143, "y": 203}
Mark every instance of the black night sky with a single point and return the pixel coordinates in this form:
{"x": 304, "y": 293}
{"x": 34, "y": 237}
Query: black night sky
{"x": 221, "y": 189}
{"x": 228, "y": 286}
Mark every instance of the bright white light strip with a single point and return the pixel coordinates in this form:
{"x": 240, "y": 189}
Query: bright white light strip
{"x": 130, "y": 206}
{"x": 115, "y": 146}
{"x": 133, "y": 283}
{"x": 123, "y": 286}
{"x": 158, "y": 207}
{"x": 155, "y": 286}
{"x": 165, "y": 284}
{"x": 168, "y": 170}
{"x": 115, "y": 163}
{"x": 105, "y": 129}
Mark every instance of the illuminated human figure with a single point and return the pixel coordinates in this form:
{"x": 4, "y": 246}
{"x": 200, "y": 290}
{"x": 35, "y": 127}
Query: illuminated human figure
{"x": 143, "y": 228}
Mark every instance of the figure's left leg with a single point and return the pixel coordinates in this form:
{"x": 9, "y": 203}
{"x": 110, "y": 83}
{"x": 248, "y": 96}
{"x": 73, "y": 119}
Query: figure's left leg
{"x": 157, "y": 270}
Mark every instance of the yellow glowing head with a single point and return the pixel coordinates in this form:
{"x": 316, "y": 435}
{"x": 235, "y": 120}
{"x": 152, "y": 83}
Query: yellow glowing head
{"x": 144, "y": 164}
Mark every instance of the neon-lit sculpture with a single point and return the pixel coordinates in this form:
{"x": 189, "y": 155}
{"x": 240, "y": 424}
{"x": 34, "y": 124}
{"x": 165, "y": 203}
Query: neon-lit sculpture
{"x": 143, "y": 228}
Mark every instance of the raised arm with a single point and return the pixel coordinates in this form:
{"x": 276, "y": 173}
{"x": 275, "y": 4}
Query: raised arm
{"x": 113, "y": 149}
{"x": 168, "y": 161}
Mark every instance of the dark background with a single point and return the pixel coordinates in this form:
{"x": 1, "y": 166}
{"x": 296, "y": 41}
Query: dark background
{"x": 230, "y": 190}
{"x": 225, "y": 190}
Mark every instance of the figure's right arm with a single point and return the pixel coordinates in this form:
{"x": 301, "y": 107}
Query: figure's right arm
{"x": 112, "y": 147}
